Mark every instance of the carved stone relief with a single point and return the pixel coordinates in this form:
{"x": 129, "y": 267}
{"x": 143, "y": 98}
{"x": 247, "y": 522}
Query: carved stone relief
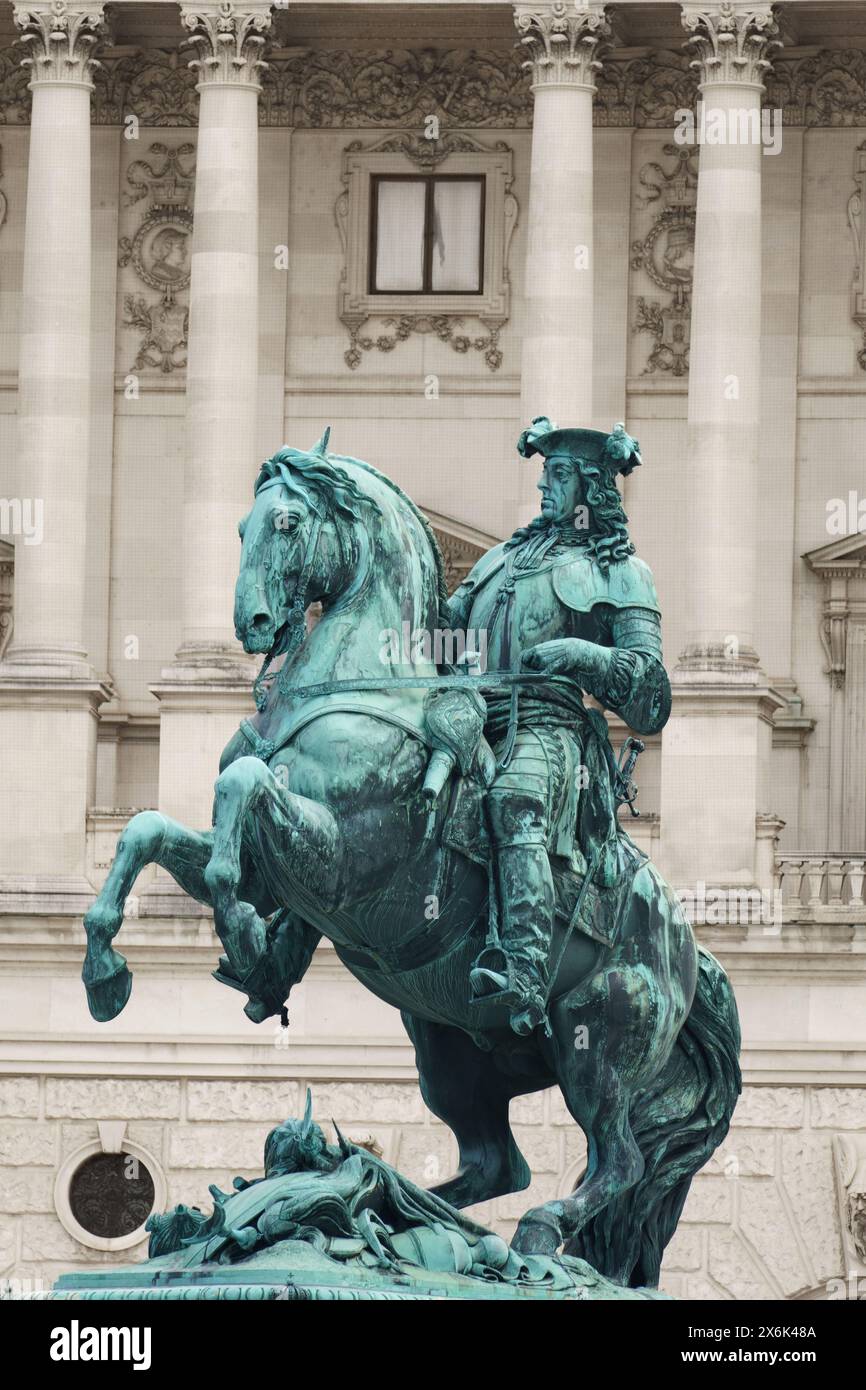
{"x": 4, "y": 206}
{"x": 7, "y": 576}
{"x": 857, "y": 223}
{"x": 159, "y": 253}
{"x": 849, "y": 1151}
{"x": 341, "y": 88}
{"x": 666, "y": 255}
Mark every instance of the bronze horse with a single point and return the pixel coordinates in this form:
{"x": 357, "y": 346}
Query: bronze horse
{"x": 321, "y": 827}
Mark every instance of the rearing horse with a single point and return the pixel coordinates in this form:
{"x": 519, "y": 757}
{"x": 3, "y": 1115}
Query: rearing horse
{"x": 320, "y": 828}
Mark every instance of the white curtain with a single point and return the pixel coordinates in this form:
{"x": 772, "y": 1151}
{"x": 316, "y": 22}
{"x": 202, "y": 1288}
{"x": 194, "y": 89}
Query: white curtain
{"x": 456, "y": 235}
{"x": 400, "y": 235}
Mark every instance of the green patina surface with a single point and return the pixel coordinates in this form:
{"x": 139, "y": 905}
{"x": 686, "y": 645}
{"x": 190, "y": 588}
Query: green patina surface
{"x": 333, "y": 1222}
{"x": 454, "y": 832}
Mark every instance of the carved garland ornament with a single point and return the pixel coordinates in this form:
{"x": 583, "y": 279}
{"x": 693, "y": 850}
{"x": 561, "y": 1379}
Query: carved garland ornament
{"x": 159, "y": 252}
{"x": 468, "y": 88}
{"x": 857, "y": 223}
{"x": 666, "y": 254}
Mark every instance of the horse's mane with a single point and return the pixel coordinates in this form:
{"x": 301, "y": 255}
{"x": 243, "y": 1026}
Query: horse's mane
{"x": 341, "y": 493}
{"x": 441, "y": 585}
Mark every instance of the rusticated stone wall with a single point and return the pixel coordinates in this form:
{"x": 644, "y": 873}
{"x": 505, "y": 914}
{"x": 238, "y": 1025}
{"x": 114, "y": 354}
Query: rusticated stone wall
{"x": 762, "y": 1220}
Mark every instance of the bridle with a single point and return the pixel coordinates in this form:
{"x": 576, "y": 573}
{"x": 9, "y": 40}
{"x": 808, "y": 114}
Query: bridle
{"x": 295, "y": 625}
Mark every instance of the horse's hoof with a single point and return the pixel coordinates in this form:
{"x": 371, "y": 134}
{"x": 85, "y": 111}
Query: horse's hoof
{"x": 106, "y": 998}
{"x": 538, "y": 1233}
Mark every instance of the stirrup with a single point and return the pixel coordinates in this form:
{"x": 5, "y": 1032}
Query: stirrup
{"x": 488, "y": 971}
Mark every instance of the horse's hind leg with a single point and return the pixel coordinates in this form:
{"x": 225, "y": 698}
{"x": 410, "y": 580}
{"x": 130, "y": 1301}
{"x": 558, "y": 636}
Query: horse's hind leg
{"x": 149, "y": 838}
{"x": 598, "y": 1071}
{"x": 463, "y": 1087}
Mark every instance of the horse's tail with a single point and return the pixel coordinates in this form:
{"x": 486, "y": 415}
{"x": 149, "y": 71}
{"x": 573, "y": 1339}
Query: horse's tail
{"x": 678, "y": 1121}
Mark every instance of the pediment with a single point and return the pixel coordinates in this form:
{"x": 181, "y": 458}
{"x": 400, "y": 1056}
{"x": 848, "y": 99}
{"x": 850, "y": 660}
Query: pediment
{"x": 846, "y": 555}
{"x": 461, "y": 546}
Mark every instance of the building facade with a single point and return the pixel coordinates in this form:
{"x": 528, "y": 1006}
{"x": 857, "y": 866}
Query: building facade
{"x": 226, "y": 226}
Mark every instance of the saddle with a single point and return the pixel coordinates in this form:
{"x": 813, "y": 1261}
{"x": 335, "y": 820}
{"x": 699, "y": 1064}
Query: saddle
{"x": 599, "y": 910}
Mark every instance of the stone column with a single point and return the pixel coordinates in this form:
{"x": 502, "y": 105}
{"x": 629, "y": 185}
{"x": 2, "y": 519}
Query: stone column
{"x": 717, "y": 744}
{"x": 207, "y": 690}
{"x": 562, "y": 43}
{"x": 49, "y": 693}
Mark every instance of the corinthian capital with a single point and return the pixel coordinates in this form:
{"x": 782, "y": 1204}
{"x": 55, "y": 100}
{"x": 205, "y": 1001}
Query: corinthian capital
{"x": 563, "y": 41}
{"x": 730, "y": 40}
{"x": 60, "y": 37}
{"x": 229, "y": 38}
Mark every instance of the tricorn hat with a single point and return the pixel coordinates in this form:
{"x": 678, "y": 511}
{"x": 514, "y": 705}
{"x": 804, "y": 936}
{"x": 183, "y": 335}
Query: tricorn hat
{"x": 616, "y": 451}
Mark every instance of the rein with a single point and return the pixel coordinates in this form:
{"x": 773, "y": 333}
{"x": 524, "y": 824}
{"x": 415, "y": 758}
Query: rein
{"x": 295, "y": 623}
{"x": 490, "y": 683}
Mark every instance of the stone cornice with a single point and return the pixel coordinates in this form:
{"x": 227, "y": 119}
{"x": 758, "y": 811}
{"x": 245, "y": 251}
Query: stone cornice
{"x": 229, "y": 39}
{"x": 467, "y": 89}
{"x": 59, "y": 39}
{"x": 730, "y": 41}
{"x": 562, "y": 42}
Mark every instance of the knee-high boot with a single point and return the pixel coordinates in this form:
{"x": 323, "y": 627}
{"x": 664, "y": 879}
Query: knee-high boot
{"x": 526, "y": 901}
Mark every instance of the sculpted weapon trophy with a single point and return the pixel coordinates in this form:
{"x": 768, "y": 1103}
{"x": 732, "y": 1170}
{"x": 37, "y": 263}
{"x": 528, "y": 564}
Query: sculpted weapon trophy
{"x": 366, "y": 784}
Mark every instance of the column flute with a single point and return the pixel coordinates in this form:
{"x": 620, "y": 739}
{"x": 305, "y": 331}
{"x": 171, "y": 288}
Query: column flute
{"x": 49, "y": 692}
{"x": 562, "y": 43}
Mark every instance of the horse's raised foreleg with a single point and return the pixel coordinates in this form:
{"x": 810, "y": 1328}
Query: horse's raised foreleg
{"x": 255, "y": 814}
{"x": 149, "y": 838}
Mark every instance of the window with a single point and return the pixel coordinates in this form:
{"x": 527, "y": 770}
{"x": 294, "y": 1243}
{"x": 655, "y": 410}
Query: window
{"x": 111, "y": 1195}
{"x": 427, "y": 234}
{"x": 103, "y": 1196}
{"x": 425, "y": 228}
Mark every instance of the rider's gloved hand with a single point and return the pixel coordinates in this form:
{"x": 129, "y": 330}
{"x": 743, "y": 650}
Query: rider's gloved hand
{"x": 568, "y": 656}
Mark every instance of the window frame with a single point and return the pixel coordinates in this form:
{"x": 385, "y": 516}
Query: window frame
{"x": 406, "y": 153}
{"x": 429, "y": 180}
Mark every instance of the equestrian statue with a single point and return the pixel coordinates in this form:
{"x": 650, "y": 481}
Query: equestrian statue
{"x": 452, "y": 827}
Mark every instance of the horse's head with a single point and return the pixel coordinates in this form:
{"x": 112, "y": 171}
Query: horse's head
{"x": 296, "y": 543}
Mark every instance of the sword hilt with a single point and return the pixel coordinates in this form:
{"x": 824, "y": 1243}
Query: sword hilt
{"x": 626, "y": 790}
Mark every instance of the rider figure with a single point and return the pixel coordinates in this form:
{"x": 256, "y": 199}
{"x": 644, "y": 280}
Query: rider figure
{"x": 565, "y": 596}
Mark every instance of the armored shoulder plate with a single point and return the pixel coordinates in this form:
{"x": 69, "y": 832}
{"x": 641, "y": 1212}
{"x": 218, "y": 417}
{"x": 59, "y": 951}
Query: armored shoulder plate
{"x": 581, "y": 584}
{"x": 486, "y": 567}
